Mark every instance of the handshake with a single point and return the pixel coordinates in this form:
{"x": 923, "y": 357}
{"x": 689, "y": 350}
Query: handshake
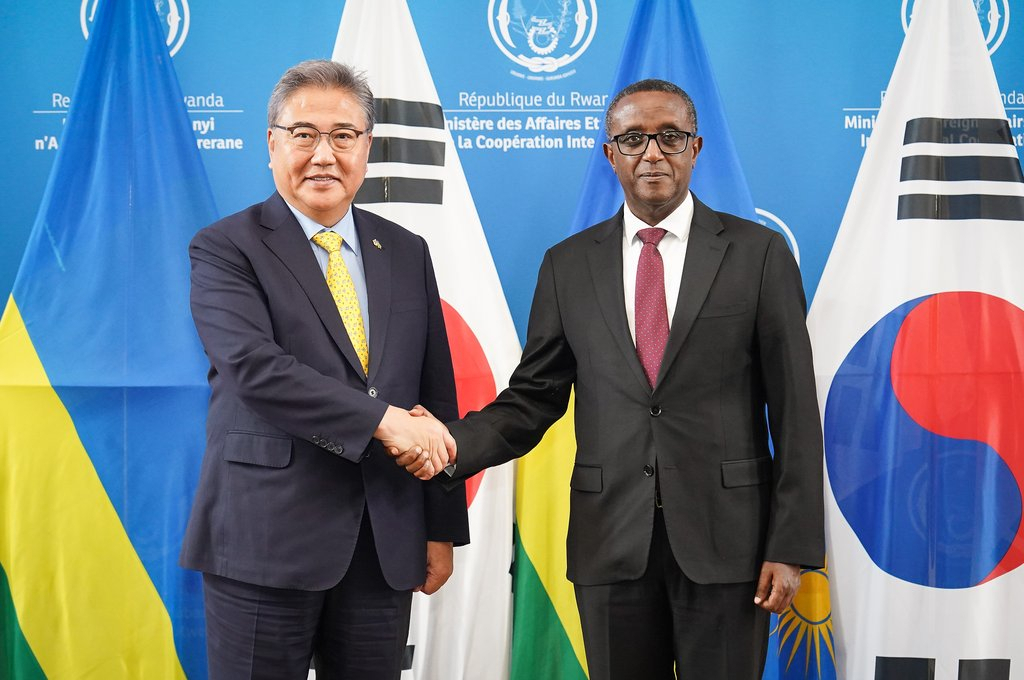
{"x": 417, "y": 441}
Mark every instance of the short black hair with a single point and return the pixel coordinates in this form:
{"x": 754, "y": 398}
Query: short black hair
{"x": 650, "y": 85}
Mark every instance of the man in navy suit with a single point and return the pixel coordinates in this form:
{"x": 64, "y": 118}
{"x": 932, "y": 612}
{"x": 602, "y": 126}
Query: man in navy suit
{"x": 310, "y": 540}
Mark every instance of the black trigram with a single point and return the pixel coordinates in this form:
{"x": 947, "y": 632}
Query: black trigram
{"x": 906, "y": 668}
{"x": 966, "y": 150}
{"x": 396, "y": 188}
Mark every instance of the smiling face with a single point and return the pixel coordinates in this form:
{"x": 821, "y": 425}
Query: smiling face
{"x": 654, "y": 183}
{"x": 319, "y": 183}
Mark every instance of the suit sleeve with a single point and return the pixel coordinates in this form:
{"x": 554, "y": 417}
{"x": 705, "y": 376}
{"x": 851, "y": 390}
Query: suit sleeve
{"x": 537, "y": 395}
{"x": 445, "y": 507}
{"x": 230, "y": 311}
{"x": 796, "y": 524}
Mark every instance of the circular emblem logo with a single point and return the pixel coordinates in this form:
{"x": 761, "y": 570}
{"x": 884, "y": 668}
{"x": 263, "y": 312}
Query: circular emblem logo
{"x": 173, "y": 15}
{"x": 994, "y": 16}
{"x": 924, "y": 442}
{"x": 773, "y": 222}
{"x": 542, "y": 36}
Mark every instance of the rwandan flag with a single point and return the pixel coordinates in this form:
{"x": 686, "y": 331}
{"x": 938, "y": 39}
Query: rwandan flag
{"x": 102, "y": 389}
{"x": 663, "y": 41}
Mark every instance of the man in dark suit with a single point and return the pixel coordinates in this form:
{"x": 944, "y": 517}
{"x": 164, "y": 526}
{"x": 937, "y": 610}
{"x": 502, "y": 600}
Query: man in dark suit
{"x": 684, "y": 532}
{"x": 322, "y": 323}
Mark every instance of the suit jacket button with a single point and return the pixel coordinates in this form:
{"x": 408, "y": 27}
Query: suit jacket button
{"x": 316, "y": 439}
{"x": 655, "y": 411}
{"x": 648, "y": 471}
{"x": 372, "y": 392}
{"x": 330, "y": 447}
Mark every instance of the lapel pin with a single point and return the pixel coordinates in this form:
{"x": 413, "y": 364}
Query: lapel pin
{"x": 376, "y": 244}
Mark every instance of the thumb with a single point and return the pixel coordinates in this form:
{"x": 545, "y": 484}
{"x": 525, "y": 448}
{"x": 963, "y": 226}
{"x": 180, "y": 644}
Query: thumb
{"x": 764, "y": 585}
{"x": 420, "y": 410}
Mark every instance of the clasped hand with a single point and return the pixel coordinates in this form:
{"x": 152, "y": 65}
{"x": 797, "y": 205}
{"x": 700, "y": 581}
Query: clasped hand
{"x": 416, "y": 440}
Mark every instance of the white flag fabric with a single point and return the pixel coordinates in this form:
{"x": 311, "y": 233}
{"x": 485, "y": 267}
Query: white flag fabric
{"x": 415, "y": 179}
{"x": 918, "y": 334}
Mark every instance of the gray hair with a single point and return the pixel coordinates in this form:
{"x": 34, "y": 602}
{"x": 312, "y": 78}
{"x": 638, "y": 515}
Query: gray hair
{"x": 650, "y": 85}
{"x": 323, "y": 74}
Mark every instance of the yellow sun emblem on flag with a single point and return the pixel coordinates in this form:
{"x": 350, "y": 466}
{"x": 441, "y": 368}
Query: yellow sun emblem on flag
{"x": 805, "y": 629}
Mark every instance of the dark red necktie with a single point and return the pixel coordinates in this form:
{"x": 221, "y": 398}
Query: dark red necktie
{"x": 650, "y": 307}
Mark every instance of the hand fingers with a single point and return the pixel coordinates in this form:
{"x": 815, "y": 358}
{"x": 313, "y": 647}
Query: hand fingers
{"x": 438, "y": 462}
{"x": 438, "y": 449}
{"x": 779, "y": 600}
{"x": 777, "y": 587}
{"x": 764, "y": 584}
{"x": 425, "y": 472}
{"x": 434, "y": 583}
{"x": 411, "y": 460}
{"x": 435, "y": 580}
{"x": 450, "y": 446}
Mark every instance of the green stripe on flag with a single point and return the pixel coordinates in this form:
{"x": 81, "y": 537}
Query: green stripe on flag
{"x": 16, "y": 658}
{"x": 540, "y": 646}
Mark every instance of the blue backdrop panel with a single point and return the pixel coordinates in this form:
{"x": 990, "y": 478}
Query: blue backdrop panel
{"x": 800, "y": 84}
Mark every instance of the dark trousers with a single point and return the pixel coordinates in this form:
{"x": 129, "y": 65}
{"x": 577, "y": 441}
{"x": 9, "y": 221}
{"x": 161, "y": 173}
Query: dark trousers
{"x": 663, "y": 625}
{"x": 357, "y": 630}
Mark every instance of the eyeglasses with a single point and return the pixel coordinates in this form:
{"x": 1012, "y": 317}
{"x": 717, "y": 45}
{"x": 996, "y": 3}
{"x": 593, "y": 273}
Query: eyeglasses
{"x": 307, "y": 138}
{"x": 636, "y": 143}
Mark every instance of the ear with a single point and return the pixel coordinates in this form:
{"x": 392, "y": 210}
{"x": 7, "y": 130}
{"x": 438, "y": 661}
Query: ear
{"x": 695, "y": 146}
{"x": 609, "y": 153}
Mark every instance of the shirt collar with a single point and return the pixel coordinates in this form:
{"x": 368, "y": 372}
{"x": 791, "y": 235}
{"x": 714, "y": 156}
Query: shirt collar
{"x": 345, "y": 227}
{"x": 677, "y": 223}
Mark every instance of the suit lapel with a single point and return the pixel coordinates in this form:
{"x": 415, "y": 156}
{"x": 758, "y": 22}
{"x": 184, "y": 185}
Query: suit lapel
{"x": 605, "y": 259}
{"x": 287, "y": 240}
{"x": 377, "y": 266}
{"x": 704, "y": 253}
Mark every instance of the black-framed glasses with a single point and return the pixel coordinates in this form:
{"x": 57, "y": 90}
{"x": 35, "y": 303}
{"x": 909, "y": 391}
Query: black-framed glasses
{"x": 636, "y": 143}
{"x": 306, "y": 137}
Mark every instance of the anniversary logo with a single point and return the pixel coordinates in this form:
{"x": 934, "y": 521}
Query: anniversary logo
{"x": 544, "y": 38}
{"x": 173, "y": 13}
{"x": 994, "y": 16}
{"x": 202, "y": 107}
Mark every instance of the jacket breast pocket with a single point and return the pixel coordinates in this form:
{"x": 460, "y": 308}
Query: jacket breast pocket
{"x": 408, "y": 304}
{"x": 586, "y": 478}
{"x": 711, "y": 311}
{"x": 273, "y": 451}
{"x": 749, "y": 472}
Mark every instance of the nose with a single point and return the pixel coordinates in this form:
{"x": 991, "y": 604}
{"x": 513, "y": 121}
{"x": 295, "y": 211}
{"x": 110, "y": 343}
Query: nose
{"x": 653, "y": 154}
{"x": 323, "y": 154}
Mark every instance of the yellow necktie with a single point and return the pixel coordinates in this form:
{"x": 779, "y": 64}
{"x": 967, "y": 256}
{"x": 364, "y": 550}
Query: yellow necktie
{"x": 339, "y": 281}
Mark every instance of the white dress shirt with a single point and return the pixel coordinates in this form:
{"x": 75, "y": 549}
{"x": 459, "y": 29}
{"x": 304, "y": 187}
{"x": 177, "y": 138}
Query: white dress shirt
{"x": 672, "y": 249}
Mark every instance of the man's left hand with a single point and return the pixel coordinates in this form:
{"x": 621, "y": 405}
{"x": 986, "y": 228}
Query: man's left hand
{"x": 777, "y": 586}
{"x": 439, "y": 566}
